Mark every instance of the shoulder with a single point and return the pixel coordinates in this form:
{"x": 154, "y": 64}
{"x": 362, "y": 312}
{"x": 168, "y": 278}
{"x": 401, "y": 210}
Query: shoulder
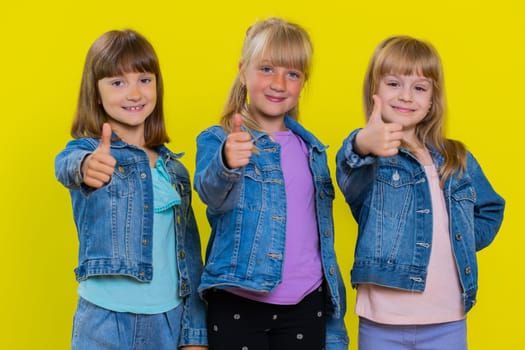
{"x": 82, "y": 144}
{"x": 213, "y": 132}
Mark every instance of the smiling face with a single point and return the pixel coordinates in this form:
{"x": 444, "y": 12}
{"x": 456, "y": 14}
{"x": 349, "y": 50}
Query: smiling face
{"x": 128, "y": 100}
{"x": 406, "y": 99}
{"x": 272, "y": 90}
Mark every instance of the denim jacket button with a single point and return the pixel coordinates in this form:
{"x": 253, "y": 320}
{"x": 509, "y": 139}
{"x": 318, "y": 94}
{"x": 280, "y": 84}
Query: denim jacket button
{"x": 143, "y": 175}
{"x": 467, "y": 270}
{"x": 121, "y": 170}
{"x": 182, "y": 255}
{"x": 144, "y": 241}
{"x": 458, "y": 236}
{"x": 327, "y": 233}
{"x": 332, "y": 271}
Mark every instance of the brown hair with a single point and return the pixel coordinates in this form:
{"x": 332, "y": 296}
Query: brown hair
{"x": 114, "y": 53}
{"x": 405, "y": 55}
{"x": 283, "y": 44}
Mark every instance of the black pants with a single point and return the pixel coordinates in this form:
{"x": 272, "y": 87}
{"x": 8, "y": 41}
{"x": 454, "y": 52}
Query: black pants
{"x": 237, "y": 323}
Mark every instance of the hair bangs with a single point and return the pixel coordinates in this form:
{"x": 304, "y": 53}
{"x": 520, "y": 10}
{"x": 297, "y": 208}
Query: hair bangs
{"x": 285, "y": 48}
{"x": 409, "y": 57}
{"x": 124, "y": 55}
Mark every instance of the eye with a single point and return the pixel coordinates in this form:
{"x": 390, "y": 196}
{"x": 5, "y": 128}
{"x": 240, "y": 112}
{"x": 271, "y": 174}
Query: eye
{"x": 266, "y": 69}
{"x": 146, "y": 80}
{"x": 295, "y": 75}
{"x": 421, "y": 88}
{"x": 392, "y": 83}
{"x": 117, "y": 83}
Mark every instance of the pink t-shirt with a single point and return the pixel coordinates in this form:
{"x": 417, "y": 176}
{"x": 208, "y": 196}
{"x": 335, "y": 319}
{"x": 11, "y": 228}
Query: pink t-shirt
{"x": 302, "y": 270}
{"x": 441, "y": 300}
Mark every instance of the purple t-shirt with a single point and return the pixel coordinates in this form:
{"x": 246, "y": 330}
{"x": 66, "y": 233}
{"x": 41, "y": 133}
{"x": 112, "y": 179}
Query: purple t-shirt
{"x": 302, "y": 270}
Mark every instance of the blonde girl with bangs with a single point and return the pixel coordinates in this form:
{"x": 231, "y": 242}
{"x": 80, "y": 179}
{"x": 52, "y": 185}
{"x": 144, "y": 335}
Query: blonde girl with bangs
{"x": 139, "y": 258}
{"x": 422, "y": 204}
{"x": 271, "y": 277}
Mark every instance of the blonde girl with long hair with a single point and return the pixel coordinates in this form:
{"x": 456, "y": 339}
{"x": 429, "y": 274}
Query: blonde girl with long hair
{"x": 422, "y": 204}
{"x": 271, "y": 277}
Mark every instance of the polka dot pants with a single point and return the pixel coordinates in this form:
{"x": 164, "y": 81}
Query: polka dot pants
{"x": 237, "y": 323}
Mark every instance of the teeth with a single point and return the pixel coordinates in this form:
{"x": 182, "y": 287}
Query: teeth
{"x": 134, "y": 108}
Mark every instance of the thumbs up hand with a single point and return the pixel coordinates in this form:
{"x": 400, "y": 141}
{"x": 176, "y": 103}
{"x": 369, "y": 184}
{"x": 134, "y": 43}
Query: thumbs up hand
{"x": 238, "y": 146}
{"x": 99, "y": 166}
{"x": 379, "y": 138}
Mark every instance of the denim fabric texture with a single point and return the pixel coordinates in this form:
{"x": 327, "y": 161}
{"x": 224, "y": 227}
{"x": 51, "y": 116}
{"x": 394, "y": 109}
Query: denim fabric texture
{"x": 115, "y": 223}
{"x": 390, "y": 200}
{"x": 98, "y": 328}
{"x": 246, "y": 209}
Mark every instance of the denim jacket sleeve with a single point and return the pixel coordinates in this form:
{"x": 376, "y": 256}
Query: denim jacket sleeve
{"x": 69, "y": 161}
{"x": 336, "y": 333}
{"x": 354, "y": 173}
{"x": 193, "y": 328}
{"x": 488, "y": 206}
{"x": 217, "y": 186}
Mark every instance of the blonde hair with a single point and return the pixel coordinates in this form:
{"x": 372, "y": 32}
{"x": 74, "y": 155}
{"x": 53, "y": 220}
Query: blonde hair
{"x": 115, "y": 53}
{"x": 405, "y": 55}
{"x": 278, "y": 41}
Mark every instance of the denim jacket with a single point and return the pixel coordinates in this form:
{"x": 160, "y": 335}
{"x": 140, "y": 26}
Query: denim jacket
{"x": 246, "y": 208}
{"x": 390, "y": 200}
{"x": 115, "y": 223}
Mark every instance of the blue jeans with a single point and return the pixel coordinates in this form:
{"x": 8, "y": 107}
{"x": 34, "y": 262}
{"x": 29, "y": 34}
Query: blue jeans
{"x": 96, "y": 328}
{"x": 441, "y": 336}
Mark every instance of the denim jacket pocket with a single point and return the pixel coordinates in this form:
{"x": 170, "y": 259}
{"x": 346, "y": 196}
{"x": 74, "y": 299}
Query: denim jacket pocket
{"x": 394, "y": 193}
{"x": 122, "y": 182}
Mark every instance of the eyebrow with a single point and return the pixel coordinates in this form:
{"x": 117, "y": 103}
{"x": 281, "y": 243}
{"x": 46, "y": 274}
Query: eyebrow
{"x": 418, "y": 80}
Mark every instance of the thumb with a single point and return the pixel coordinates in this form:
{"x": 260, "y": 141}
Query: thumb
{"x": 375, "y": 116}
{"x": 237, "y": 123}
{"x": 105, "y": 138}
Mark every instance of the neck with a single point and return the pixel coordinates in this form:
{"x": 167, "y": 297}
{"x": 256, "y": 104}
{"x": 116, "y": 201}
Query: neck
{"x": 131, "y": 135}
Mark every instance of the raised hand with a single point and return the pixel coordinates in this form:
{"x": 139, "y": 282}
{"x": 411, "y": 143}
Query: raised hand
{"x": 379, "y": 138}
{"x": 99, "y": 166}
{"x": 238, "y": 146}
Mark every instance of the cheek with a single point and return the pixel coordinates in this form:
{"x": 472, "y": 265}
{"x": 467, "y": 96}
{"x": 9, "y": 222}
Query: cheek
{"x": 295, "y": 90}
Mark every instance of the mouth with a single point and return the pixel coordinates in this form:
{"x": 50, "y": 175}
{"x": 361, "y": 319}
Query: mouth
{"x": 403, "y": 109}
{"x": 134, "y": 108}
{"x": 275, "y": 98}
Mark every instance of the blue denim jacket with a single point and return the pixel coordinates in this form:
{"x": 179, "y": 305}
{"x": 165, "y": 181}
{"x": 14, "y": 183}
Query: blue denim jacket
{"x": 246, "y": 209}
{"x": 390, "y": 200}
{"x": 115, "y": 223}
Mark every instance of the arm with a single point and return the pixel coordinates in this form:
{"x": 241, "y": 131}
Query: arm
{"x": 193, "y": 322}
{"x": 488, "y": 208}
{"x": 68, "y": 163}
{"x": 336, "y": 333}
{"x": 356, "y": 158}
{"x": 354, "y": 173}
{"x": 220, "y": 162}
{"x": 79, "y": 164}
{"x": 217, "y": 185}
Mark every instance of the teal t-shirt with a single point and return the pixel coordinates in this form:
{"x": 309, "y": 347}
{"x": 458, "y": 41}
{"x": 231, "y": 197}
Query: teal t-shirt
{"x": 125, "y": 294}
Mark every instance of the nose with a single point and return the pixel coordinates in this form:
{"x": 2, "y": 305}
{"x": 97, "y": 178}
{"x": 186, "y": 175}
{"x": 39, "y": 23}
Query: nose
{"x": 405, "y": 94}
{"x": 134, "y": 93}
{"x": 278, "y": 82}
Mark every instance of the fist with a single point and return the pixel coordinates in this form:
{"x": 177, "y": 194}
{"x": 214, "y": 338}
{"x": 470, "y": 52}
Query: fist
{"x": 99, "y": 166}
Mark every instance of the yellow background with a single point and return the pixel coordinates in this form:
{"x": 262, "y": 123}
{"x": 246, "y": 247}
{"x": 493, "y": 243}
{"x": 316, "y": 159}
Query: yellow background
{"x": 42, "y": 52}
